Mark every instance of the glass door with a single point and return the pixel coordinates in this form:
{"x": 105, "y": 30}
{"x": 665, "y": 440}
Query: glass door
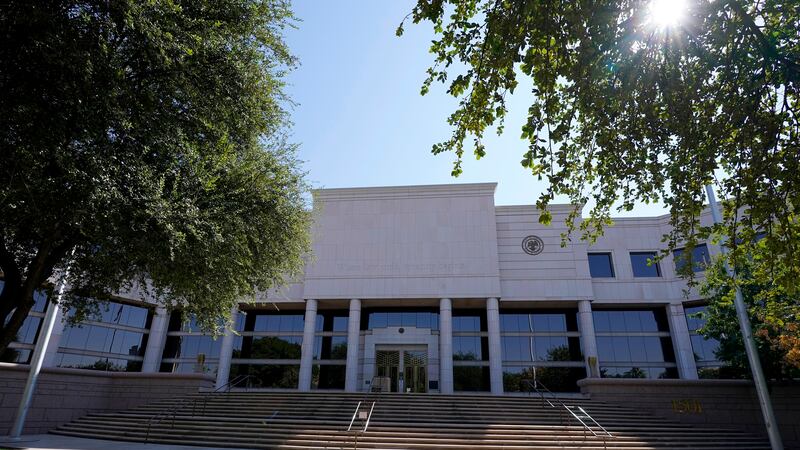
{"x": 415, "y": 368}
{"x": 387, "y": 368}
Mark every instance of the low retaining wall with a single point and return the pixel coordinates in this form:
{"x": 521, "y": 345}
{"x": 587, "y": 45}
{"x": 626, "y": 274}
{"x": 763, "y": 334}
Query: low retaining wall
{"x": 727, "y": 403}
{"x": 63, "y": 395}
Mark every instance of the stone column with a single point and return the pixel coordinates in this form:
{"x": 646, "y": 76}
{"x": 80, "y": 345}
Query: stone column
{"x": 226, "y": 352}
{"x": 307, "y": 348}
{"x": 588, "y": 338}
{"x": 55, "y": 337}
{"x": 495, "y": 348}
{"x": 445, "y": 346}
{"x": 681, "y": 342}
{"x": 353, "y": 335}
{"x": 156, "y": 340}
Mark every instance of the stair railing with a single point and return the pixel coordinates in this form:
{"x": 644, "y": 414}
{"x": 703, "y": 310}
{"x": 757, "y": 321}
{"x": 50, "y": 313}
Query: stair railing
{"x": 194, "y": 401}
{"x": 538, "y": 387}
{"x": 365, "y": 401}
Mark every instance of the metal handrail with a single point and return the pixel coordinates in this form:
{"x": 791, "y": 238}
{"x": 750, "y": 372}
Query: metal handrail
{"x": 355, "y": 413}
{"x": 155, "y": 420}
{"x": 369, "y": 417}
{"x": 586, "y": 415}
{"x": 541, "y": 389}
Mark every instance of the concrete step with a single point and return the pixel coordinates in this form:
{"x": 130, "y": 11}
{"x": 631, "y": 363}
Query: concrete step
{"x": 415, "y": 421}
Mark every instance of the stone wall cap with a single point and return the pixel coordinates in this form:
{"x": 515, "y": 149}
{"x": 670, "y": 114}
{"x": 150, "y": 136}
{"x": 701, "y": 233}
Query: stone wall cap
{"x": 103, "y": 374}
{"x": 660, "y": 382}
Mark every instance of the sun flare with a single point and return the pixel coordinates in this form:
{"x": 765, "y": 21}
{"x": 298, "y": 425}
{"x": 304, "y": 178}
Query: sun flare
{"x": 667, "y": 13}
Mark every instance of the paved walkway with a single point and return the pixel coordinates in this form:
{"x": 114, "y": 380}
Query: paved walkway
{"x": 54, "y": 442}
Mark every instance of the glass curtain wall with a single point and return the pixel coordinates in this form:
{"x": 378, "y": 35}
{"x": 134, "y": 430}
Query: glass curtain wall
{"x": 21, "y": 349}
{"x": 115, "y": 340}
{"x": 708, "y": 366}
{"x": 268, "y": 348}
{"x": 330, "y": 350}
{"x": 372, "y": 319}
{"x": 470, "y": 351}
{"x": 634, "y": 343}
{"x": 544, "y": 344}
{"x": 188, "y": 349}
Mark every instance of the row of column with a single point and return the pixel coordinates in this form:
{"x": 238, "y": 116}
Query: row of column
{"x": 679, "y": 331}
{"x": 678, "y": 326}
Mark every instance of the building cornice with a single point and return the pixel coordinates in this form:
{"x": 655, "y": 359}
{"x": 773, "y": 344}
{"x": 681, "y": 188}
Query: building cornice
{"x": 403, "y": 192}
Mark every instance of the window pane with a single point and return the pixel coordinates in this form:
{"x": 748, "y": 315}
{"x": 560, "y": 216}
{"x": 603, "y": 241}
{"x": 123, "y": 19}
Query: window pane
{"x": 605, "y": 349}
{"x": 641, "y": 268}
{"x": 695, "y": 317}
{"x": 423, "y": 320}
{"x": 340, "y": 323}
{"x": 467, "y": 348}
{"x": 632, "y": 320}
{"x": 395, "y": 319}
{"x": 699, "y": 258}
{"x": 601, "y": 321}
{"x": 616, "y": 320}
{"x": 600, "y": 265}
{"x": 470, "y": 378}
{"x": 328, "y": 376}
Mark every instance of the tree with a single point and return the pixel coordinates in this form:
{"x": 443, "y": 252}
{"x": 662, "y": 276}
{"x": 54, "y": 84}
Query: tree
{"x": 144, "y": 144}
{"x": 627, "y": 109}
{"x": 775, "y": 321}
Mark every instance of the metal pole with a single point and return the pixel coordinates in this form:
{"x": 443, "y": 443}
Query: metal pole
{"x": 36, "y": 362}
{"x": 749, "y": 343}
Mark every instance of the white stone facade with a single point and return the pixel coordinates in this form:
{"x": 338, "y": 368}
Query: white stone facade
{"x": 448, "y": 248}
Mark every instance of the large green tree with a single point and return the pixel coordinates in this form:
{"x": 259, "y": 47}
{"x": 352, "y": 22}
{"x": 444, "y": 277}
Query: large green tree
{"x": 629, "y": 108}
{"x": 773, "y": 317}
{"x": 143, "y": 142}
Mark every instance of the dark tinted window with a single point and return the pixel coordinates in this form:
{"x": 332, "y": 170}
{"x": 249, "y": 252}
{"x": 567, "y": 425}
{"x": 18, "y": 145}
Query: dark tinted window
{"x": 699, "y": 258}
{"x": 469, "y": 348}
{"x": 600, "y": 265}
{"x": 470, "y": 378}
{"x": 644, "y": 264}
{"x": 538, "y": 322}
{"x": 388, "y": 318}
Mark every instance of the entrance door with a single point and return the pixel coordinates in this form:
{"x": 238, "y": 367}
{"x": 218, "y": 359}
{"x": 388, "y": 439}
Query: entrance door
{"x": 407, "y": 370}
{"x": 415, "y": 367}
{"x": 387, "y": 364}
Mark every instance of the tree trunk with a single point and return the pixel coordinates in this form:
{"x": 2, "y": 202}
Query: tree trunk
{"x": 8, "y": 333}
{"x": 20, "y": 286}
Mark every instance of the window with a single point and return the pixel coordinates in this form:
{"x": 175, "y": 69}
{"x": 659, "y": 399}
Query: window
{"x": 546, "y": 338}
{"x": 556, "y": 379}
{"x": 382, "y": 318}
{"x": 269, "y": 344}
{"x": 644, "y": 264}
{"x": 21, "y": 349}
{"x": 471, "y": 378}
{"x": 188, "y": 349}
{"x": 708, "y": 366}
{"x": 114, "y": 340}
{"x": 600, "y": 265}
{"x": 634, "y": 344}
{"x": 330, "y": 350}
{"x": 470, "y": 350}
{"x": 282, "y": 376}
{"x": 699, "y": 258}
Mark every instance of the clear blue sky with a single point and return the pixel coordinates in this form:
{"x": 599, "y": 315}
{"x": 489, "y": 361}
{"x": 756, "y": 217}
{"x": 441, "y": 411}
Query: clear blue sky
{"x": 360, "y": 119}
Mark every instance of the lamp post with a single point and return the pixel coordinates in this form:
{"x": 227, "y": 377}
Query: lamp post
{"x": 36, "y": 361}
{"x": 749, "y": 343}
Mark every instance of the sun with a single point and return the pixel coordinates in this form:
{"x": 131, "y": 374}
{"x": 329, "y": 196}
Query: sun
{"x": 666, "y": 14}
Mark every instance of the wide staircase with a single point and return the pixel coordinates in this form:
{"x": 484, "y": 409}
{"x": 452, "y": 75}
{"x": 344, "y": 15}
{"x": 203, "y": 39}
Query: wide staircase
{"x": 321, "y": 420}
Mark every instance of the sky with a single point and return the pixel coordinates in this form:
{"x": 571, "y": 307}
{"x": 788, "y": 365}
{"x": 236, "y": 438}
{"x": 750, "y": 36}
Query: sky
{"x": 360, "y": 119}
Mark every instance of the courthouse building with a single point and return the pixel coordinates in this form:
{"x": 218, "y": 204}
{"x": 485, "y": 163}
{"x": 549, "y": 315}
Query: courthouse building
{"x": 436, "y": 288}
